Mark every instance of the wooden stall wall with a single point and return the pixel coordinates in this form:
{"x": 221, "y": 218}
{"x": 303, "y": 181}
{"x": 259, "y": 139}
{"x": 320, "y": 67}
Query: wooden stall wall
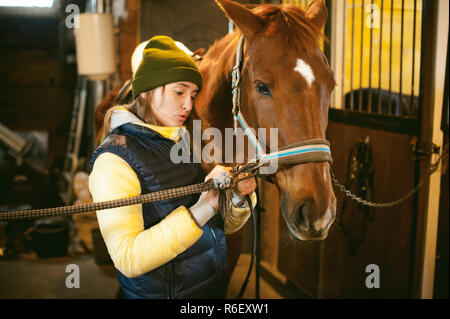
{"x": 388, "y": 235}
{"x": 336, "y": 267}
{"x": 196, "y": 23}
{"x": 442, "y": 250}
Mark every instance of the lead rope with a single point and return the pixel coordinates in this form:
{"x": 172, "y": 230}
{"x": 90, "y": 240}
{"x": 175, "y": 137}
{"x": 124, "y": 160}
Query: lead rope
{"x": 254, "y": 251}
{"x": 141, "y": 199}
{"x": 225, "y": 194}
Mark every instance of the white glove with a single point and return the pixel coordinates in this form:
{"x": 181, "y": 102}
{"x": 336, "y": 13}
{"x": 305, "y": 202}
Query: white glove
{"x": 208, "y": 203}
{"x": 202, "y": 211}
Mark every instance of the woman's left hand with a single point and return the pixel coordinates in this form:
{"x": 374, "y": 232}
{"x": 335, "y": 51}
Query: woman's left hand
{"x": 245, "y": 187}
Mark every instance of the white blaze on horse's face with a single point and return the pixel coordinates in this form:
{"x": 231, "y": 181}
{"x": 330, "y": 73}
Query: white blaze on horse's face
{"x": 305, "y": 70}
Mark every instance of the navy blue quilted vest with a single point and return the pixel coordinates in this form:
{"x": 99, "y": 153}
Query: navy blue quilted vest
{"x": 198, "y": 272}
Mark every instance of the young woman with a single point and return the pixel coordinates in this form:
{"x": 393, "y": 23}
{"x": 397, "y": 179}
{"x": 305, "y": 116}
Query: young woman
{"x": 172, "y": 248}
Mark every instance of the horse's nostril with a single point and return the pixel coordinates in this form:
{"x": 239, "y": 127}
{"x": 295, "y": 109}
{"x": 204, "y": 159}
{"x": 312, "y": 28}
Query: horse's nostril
{"x": 311, "y": 222}
{"x": 300, "y": 216}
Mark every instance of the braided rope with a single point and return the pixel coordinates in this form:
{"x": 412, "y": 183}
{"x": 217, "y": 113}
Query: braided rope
{"x": 135, "y": 200}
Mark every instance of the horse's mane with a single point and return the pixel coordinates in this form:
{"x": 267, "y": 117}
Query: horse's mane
{"x": 291, "y": 24}
{"x": 288, "y": 22}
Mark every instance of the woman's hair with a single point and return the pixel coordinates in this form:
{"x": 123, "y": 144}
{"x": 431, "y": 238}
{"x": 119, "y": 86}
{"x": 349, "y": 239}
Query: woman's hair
{"x": 141, "y": 107}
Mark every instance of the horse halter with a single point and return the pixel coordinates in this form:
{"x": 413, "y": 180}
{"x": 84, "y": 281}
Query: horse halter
{"x": 307, "y": 151}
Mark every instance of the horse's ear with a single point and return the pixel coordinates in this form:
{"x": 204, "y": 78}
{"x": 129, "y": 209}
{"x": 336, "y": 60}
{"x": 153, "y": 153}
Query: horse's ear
{"x": 317, "y": 13}
{"x": 249, "y": 23}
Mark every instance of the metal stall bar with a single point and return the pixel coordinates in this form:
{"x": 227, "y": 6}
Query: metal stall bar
{"x": 361, "y": 61}
{"x": 413, "y": 74}
{"x": 344, "y": 32}
{"x": 352, "y": 67}
{"x": 401, "y": 60}
{"x": 380, "y": 54}
{"x": 390, "y": 59}
{"x": 369, "y": 105}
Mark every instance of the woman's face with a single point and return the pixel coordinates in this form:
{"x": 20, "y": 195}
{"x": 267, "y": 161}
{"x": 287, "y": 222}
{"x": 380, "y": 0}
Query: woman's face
{"x": 175, "y": 103}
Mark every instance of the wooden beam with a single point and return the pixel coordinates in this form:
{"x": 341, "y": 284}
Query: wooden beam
{"x": 432, "y": 134}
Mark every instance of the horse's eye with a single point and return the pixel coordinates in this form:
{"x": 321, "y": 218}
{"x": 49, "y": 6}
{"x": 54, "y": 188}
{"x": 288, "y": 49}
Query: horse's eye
{"x": 262, "y": 88}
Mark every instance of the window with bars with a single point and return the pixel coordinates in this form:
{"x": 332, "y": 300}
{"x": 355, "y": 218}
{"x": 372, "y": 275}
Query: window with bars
{"x": 375, "y": 53}
{"x": 382, "y": 56}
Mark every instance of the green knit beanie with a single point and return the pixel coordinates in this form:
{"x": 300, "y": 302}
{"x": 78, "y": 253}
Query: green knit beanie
{"x": 163, "y": 62}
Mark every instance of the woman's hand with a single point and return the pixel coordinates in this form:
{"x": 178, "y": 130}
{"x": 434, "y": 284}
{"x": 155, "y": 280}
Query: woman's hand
{"x": 245, "y": 187}
{"x": 213, "y": 195}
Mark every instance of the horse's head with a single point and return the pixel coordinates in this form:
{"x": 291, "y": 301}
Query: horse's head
{"x": 286, "y": 84}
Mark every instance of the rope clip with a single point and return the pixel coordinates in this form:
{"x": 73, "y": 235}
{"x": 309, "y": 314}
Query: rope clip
{"x": 222, "y": 180}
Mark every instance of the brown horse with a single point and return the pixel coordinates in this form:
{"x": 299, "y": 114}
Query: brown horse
{"x": 286, "y": 84}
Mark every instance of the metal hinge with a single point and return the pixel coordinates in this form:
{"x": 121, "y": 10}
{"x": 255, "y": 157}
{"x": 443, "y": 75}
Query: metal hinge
{"x": 421, "y": 153}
